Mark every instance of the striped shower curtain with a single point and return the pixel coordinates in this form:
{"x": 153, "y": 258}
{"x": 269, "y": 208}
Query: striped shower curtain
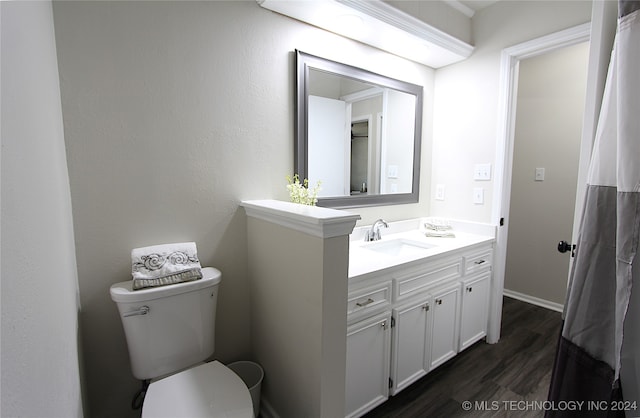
{"x": 597, "y": 329}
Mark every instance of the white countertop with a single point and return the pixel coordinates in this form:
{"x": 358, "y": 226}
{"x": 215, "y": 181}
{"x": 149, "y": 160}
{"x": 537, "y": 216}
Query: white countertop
{"x": 363, "y": 261}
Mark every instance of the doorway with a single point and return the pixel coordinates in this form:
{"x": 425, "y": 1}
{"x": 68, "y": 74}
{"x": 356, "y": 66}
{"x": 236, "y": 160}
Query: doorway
{"x": 509, "y": 70}
{"x": 550, "y": 105}
{"x": 360, "y": 144}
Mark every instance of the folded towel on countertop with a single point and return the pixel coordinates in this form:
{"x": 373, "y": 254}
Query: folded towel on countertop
{"x": 440, "y": 234}
{"x": 440, "y": 228}
{"x": 160, "y": 265}
{"x": 436, "y": 224}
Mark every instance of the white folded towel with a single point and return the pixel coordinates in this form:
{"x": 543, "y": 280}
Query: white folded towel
{"x": 435, "y": 224}
{"x": 440, "y": 234}
{"x": 441, "y": 228}
{"x": 160, "y": 265}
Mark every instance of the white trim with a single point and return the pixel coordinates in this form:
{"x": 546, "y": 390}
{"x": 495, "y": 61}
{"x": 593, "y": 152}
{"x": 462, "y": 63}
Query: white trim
{"x": 465, "y": 10}
{"x": 558, "y": 307}
{"x": 311, "y": 220}
{"x": 362, "y": 95}
{"x": 410, "y": 24}
{"x": 509, "y": 67}
{"x": 390, "y": 29}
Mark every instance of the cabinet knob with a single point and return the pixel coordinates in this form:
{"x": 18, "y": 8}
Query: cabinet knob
{"x": 439, "y": 301}
{"x": 425, "y": 307}
{"x": 469, "y": 289}
{"x": 383, "y": 324}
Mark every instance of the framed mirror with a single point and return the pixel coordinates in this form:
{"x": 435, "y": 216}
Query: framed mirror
{"x": 357, "y": 132}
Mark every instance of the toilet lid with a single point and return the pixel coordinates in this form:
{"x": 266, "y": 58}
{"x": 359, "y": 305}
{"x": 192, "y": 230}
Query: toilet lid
{"x": 208, "y": 390}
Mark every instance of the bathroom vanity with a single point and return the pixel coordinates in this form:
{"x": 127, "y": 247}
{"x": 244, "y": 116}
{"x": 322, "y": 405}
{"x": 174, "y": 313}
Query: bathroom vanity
{"x": 368, "y": 318}
{"x": 414, "y": 302}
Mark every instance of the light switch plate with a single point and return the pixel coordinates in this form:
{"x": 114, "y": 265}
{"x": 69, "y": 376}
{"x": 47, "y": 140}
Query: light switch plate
{"x": 539, "y": 174}
{"x": 439, "y": 191}
{"x": 482, "y": 172}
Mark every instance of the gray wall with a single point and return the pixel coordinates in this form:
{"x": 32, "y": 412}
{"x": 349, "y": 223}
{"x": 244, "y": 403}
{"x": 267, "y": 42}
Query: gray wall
{"x": 40, "y": 354}
{"x": 550, "y": 107}
{"x": 174, "y": 112}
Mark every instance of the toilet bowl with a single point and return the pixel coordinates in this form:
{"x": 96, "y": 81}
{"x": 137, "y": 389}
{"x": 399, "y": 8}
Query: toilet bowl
{"x": 208, "y": 390}
{"x": 170, "y": 331}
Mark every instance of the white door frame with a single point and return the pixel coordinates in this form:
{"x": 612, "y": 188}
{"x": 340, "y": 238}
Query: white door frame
{"x": 509, "y": 70}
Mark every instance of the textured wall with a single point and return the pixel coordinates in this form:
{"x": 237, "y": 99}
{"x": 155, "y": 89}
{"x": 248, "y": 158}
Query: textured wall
{"x": 173, "y": 113}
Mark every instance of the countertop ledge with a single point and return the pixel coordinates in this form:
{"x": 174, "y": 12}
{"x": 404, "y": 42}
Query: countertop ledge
{"x": 313, "y": 220}
{"x": 363, "y": 261}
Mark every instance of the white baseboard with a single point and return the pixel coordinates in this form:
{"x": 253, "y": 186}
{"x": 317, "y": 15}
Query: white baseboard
{"x": 558, "y": 307}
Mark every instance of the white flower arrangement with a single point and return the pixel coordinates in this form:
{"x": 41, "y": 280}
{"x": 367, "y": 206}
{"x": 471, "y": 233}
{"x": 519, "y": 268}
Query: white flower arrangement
{"x": 300, "y": 192}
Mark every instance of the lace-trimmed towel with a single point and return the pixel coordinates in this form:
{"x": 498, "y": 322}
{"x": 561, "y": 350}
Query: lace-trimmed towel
{"x": 161, "y": 265}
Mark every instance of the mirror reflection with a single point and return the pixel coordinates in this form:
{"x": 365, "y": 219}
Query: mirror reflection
{"x": 359, "y": 133}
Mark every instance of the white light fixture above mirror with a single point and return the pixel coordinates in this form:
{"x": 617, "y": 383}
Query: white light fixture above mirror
{"x": 381, "y": 26}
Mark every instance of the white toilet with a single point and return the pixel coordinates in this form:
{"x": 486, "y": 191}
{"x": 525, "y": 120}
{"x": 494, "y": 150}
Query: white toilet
{"x": 170, "y": 331}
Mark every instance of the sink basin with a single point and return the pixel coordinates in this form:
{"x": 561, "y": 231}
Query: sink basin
{"x": 398, "y": 247}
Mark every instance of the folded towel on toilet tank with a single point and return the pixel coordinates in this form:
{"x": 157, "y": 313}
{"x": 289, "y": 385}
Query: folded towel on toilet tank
{"x": 160, "y": 265}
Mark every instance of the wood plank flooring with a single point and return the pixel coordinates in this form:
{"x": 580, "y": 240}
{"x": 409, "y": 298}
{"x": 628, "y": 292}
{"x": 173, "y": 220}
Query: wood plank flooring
{"x": 517, "y": 368}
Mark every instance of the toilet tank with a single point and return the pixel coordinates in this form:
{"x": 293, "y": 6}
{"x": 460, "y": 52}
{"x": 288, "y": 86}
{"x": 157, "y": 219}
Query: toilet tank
{"x": 168, "y": 328}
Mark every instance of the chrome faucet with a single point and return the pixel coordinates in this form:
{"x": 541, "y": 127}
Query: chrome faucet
{"x": 373, "y": 234}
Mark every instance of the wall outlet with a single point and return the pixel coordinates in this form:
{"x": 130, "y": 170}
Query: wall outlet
{"x": 392, "y": 172}
{"x": 439, "y": 191}
{"x": 482, "y": 172}
{"x": 478, "y": 196}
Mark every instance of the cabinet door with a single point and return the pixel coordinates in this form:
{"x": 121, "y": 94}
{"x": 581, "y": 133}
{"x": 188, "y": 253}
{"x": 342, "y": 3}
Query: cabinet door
{"x": 475, "y": 308}
{"x": 410, "y": 344}
{"x": 444, "y": 337}
{"x": 368, "y": 359}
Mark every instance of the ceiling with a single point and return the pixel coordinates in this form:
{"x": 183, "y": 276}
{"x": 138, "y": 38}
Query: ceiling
{"x": 475, "y": 5}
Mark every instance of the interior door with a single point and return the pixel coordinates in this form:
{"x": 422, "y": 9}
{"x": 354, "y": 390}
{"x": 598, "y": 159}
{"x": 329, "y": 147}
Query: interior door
{"x": 328, "y": 130}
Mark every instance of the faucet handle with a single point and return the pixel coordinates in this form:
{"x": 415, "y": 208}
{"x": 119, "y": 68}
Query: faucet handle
{"x": 369, "y": 236}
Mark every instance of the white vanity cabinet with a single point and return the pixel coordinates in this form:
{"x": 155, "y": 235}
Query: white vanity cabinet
{"x": 408, "y": 319}
{"x": 445, "y": 332}
{"x": 411, "y": 349}
{"x": 368, "y": 361}
{"x": 475, "y": 309}
{"x": 476, "y": 288}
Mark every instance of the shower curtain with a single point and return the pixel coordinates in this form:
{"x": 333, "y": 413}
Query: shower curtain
{"x": 587, "y": 368}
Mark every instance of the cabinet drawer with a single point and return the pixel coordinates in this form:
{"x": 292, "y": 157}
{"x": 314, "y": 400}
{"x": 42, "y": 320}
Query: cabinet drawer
{"x": 369, "y": 299}
{"x": 432, "y": 275}
{"x": 477, "y": 261}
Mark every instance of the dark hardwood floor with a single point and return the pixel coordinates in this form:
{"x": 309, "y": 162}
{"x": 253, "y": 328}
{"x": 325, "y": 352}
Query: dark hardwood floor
{"x": 517, "y": 368}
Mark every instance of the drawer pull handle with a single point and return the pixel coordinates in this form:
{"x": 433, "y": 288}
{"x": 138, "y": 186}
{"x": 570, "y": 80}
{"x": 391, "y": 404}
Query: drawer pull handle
{"x": 365, "y": 303}
{"x": 469, "y": 289}
{"x": 480, "y": 262}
